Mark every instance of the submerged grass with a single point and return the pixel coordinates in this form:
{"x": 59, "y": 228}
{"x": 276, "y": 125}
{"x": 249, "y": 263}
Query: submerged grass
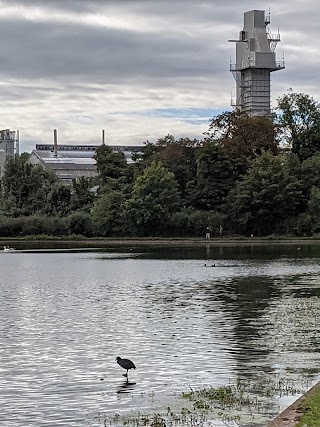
{"x": 236, "y": 404}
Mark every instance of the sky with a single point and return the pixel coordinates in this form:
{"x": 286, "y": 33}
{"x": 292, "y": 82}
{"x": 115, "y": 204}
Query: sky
{"x": 139, "y": 69}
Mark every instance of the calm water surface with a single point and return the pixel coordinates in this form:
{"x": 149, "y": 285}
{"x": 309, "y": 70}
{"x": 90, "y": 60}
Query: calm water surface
{"x": 66, "y": 315}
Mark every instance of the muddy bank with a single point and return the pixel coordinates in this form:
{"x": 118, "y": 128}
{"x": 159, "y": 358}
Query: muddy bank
{"x": 105, "y": 242}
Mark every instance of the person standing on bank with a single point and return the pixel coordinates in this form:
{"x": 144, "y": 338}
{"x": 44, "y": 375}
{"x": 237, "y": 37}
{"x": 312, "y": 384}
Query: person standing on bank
{"x": 208, "y": 232}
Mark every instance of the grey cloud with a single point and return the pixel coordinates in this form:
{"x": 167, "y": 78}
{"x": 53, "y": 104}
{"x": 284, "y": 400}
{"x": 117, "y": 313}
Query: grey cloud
{"x": 47, "y": 50}
{"x": 68, "y": 63}
{"x": 71, "y": 5}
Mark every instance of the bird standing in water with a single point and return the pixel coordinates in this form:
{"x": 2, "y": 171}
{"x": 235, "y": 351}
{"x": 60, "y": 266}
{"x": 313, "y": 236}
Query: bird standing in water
{"x": 125, "y": 364}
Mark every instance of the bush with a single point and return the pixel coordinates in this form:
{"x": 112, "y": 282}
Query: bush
{"x": 32, "y": 225}
{"x": 190, "y": 222}
{"x": 80, "y": 223}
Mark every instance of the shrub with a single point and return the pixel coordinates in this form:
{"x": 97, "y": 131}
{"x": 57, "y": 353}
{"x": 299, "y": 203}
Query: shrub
{"x": 80, "y": 223}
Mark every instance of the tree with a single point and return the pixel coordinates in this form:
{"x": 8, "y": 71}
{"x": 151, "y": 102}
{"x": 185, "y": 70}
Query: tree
{"x": 81, "y": 196}
{"x": 242, "y": 137}
{"x": 299, "y": 120}
{"x": 58, "y": 200}
{"x": 249, "y": 135}
{"x": 155, "y": 196}
{"x": 178, "y": 156}
{"x": 214, "y": 178}
{"x": 314, "y": 203}
{"x": 108, "y": 214}
{"x": 80, "y": 223}
{"x": 110, "y": 164}
{"x": 267, "y": 195}
{"x": 309, "y": 174}
{"x": 25, "y": 187}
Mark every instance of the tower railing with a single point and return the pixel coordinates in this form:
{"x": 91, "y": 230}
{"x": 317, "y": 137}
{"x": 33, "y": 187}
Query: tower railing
{"x": 278, "y": 65}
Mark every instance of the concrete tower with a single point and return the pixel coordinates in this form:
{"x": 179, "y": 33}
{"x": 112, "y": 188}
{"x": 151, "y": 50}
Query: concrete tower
{"x": 9, "y": 147}
{"x": 255, "y": 60}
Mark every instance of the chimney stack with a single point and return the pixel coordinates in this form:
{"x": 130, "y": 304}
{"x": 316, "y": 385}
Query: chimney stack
{"x": 103, "y": 137}
{"x": 55, "y": 142}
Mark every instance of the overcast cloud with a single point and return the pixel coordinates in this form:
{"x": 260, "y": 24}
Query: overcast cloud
{"x": 139, "y": 69}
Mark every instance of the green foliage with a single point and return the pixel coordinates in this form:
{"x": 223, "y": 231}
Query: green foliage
{"x": 80, "y": 223}
{"x": 299, "y": 120}
{"x": 111, "y": 164}
{"x": 58, "y": 200}
{"x": 32, "y": 225}
{"x": 268, "y": 193}
{"x": 310, "y": 173}
{"x": 81, "y": 196}
{"x": 193, "y": 222}
{"x": 155, "y": 196}
{"x": 214, "y": 178}
{"x": 25, "y": 188}
{"x": 178, "y": 156}
{"x": 310, "y": 408}
{"x": 108, "y": 214}
{"x": 314, "y": 204}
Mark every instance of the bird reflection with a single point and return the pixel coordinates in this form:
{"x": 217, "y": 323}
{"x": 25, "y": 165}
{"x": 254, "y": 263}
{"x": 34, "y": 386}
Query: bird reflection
{"x": 126, "y": 387}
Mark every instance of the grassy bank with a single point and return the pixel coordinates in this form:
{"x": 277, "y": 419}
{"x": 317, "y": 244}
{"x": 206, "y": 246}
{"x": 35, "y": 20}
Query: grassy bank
{"x": 304, "y": 412}
{"x": 310, "y": 407}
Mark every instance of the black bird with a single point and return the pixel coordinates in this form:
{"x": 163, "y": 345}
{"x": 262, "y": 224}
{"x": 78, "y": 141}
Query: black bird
{"x": 125, "y": 364}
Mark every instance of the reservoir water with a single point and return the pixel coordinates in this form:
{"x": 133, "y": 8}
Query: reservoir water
{"x": 251, "y": 314}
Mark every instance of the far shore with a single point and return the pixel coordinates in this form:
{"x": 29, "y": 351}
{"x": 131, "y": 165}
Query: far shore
{"x": 215, "y": 241}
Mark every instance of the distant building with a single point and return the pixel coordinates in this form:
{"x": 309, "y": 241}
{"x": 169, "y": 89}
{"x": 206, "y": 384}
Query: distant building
{"x": 70, "y": 162}
{"x": 255, "y": 60}
{"x": 9, "y": 146}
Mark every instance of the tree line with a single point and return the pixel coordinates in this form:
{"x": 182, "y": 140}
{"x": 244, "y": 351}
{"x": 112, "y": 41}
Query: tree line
{"x": 246, "y": 176}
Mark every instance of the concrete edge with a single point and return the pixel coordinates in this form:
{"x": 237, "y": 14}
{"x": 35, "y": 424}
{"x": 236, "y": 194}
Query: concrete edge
{"x": 291, "y": 415}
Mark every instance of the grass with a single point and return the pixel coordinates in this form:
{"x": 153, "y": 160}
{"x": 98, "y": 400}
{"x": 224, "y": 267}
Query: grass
{"x": 310, "y": 406}
{"x": 235, "y": 404}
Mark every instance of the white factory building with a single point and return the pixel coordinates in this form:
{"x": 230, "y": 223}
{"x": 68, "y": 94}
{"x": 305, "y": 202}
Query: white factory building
{"x": 70, "y": 162}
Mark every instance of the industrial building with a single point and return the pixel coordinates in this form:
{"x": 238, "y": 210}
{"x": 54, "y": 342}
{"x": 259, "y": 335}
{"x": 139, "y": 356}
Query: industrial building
{"x": 9, "y": 146}
{"x": 255, "y": 60}
{"x": 70, "y": 162}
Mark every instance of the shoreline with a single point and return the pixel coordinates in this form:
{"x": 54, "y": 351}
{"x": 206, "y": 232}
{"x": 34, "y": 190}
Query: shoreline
{"x": 108, "y": 241}
{"x": 291, "y": 416}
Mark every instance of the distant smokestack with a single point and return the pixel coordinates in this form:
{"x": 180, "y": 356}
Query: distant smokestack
{"x": 103, "y": 137}
{"x": 55, "y": 142}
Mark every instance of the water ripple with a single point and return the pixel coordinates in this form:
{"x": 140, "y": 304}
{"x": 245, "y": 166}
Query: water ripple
{"x": 65, "y": 317}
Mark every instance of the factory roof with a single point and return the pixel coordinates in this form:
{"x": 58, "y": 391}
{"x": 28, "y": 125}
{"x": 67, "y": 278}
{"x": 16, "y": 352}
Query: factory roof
{"x": 72, "y": 161}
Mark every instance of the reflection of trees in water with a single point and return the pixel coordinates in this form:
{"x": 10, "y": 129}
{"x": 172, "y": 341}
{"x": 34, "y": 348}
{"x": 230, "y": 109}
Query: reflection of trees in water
{"x": 226, "y": 312}
{"x": 244, "y": 251}
{"x": 276, "y": 323}
{"x": 262, "y": 322}
{"x": 247, "y": 299}
{"x": 292, "y": 324}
